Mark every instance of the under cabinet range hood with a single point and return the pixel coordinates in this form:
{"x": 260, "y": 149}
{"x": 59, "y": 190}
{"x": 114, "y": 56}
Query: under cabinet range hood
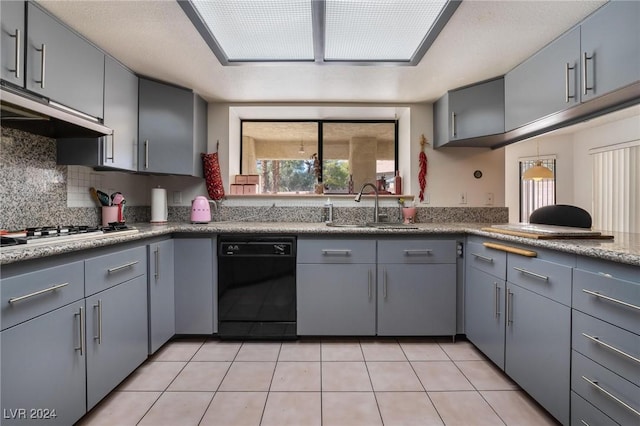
{"x": 32, "y": 114}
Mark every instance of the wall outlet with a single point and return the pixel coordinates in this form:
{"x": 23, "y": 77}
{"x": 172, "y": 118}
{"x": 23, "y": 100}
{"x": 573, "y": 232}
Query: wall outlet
{"x": 177, "y": 197}
{"x": 488, "y": 198}
{"x": 427, "y": 199}
{"x": 462, "y": 198}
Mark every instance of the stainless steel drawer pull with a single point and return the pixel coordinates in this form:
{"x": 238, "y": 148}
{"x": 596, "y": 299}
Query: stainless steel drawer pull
{"x": 121, "y": 267}
{"x": 453, "y": 125}
{"x": 531, "y": 274}
{"x": 584, "y": 423}
{"x": 99, "y": 307}
{"x": 157, "y": 261}
{"x": 80, "y": 316}
{"x": 369, "y": 283}
{"x": 509, "y": 308}
{"x": 611, "y": 299}
{"x": 329, "y": 252}
{"x": 384, "y": 283}
{"x": 567, "y": 96}
{"x": 424, "y": 252}
{"x": 36, "y": 293}
{"x": 613, "y": 348}
{"x": 146, "y": 154}
{"x": 481, "y": 257}
{"x": 43, "y": 57}
{"x": 496, "y": 300}
{"x": 16, "y": 71}
{"x": 585, "y": 86}
{"x": 610, "y": 395}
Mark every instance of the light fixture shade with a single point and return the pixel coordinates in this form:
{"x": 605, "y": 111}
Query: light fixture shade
{"x": 538, "y": 172}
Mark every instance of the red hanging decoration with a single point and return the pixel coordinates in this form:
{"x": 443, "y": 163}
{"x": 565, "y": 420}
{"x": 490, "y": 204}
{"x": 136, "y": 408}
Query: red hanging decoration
{"x": 212, "y": 175}
{"x": 422, "y": 174}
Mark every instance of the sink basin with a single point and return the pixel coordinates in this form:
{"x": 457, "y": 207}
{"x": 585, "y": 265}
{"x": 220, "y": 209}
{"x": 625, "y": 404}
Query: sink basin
{"x": 347, "y": 225}
{"x": 382, "y": 225}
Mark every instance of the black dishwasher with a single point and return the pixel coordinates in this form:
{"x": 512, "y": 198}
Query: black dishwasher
{"x": 257, "y": 287}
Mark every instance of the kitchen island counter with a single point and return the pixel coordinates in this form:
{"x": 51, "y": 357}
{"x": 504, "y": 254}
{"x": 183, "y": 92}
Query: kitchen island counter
{"x": 624, "y": 248}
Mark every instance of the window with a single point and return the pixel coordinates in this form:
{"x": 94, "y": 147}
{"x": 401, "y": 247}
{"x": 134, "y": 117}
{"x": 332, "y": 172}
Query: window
{"x": 536, "y": 193}
{"x": 304, "y": 157}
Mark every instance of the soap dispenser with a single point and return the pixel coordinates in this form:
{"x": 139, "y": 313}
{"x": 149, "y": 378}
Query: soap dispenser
{"x": 327, "y": 211}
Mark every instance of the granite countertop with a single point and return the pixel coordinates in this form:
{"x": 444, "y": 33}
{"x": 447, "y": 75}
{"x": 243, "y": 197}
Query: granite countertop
{"x": 624, "y": 248}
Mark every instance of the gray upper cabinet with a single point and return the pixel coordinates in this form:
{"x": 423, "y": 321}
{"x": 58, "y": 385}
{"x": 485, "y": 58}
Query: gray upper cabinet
{"x": 469, "y": 112}
{"x": 172, "y": 129}
{"x": 610, "y": 48}
{"x": 12, "y": 38}
{"x": 62, "y": 66}
{"x": 545, "y": 83}
{"x": 162, "y": 318}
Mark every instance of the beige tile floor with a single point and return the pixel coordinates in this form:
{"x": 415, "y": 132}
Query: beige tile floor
{"x": 346, "y": 382}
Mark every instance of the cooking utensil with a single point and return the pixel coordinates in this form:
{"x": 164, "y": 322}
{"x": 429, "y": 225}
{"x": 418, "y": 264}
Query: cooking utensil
{"x": 116, "y": 198}
{"x": 94, "y": 195}
{"x": 104, "y": 198}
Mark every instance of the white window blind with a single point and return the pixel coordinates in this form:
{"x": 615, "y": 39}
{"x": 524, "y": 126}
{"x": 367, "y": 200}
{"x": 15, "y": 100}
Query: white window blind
{"x": 616, "y": 187}
{"x": 535, "y": 194}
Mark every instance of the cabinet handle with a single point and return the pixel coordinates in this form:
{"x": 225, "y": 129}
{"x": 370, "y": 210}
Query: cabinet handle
{"x": 99, "y": 336}
{"x": 16, "y": 71}
{"x": 481, "y": 257}
{"x": 585, "y": 58}
{"x": 584, "y": 423}
{"x": 157, "y": 268}
{"x": 146, "y": 154}
{"x": 453, "y": 125}
{"x": 611, "y": 299}
{"x": 597, "y": 340}
{"x": 113, "y": 147}
{"x": 531, "y": 274}
{"x": 567, "y": 96}
{"x": 121, "y": 267}
{"x": 43, "y": 57}
{"x": 384, "y": 283}
{"x": 595, "y": 384}
{"x": 329, "y": 252}
{"x": 509, "y": 307}
{"x": 369, "y": 283}
{"x": 36, "y": 293}
{"x": 80, "y": 316}
{"x": 496, "y": 300}
{"x": 424, "y": 252}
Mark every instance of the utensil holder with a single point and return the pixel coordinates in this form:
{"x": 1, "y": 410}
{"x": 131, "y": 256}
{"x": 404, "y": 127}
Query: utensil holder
{"x": 109, "y": 214}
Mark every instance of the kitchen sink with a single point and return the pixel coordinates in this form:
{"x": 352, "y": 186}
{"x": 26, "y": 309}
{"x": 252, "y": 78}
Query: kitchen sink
{"x": 382, "y": 225}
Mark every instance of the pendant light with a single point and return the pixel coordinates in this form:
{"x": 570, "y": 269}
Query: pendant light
{"x": 538, "y": 172}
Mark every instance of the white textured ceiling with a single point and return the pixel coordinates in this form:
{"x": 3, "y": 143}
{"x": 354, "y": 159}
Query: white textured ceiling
{"x": 483, "y": 39}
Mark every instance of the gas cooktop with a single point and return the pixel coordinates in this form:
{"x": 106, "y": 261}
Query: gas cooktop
{"x": 58, "y": 234}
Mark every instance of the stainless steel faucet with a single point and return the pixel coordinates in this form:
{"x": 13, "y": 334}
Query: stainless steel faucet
{"x": 376, "y": 216}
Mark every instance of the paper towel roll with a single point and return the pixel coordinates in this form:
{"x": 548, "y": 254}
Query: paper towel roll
{"x": 158, "y": 205}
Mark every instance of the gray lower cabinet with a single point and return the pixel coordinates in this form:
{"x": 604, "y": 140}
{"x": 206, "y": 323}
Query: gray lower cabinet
{"x": 61, "y": 65}
{"x": 43, "y": 369}
{"x": 162, "y": 318}
{"x": 172, "y": 129}
{"x": 195, "y": 285}
{"x": 336, "y": 299}
{"x": 12, "y": 37}
{"x": 116, "y": 336}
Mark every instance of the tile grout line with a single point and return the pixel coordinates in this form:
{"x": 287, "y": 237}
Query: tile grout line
{"x": 219, "y": 384}
{"x": 275, "y": 366}
{"x": 422, "y": 384}
{"x": 373, "y": 390}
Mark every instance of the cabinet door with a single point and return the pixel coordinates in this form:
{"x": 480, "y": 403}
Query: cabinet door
{"x": 12, "y": 38}
{"x": 538, "y": 348}
{"x": 44, "y": 368}
{"x": 611, "y": 44}
{"x": 477, "y": 110}
{"x": 195, "y": 298}
{"x": 484, "y": 313}
{"x": 336, "y": 300}
{"x": 162, "y": 319}
{"x": 116, "y": 336}
{"x": 165, "y": 128}
{"x": 121, "y": 115}
{"x": 416, "y": 300}
{"x": 545, "y": 83}
{"x": 68, "y": 70}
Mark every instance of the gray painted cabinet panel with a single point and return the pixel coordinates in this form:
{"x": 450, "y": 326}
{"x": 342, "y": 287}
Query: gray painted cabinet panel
{"x": 538, "y": 352}
{"x": 162, "y": 318}
{"x": 417, "y": 299}
{"x": 195, "y": 298}
{"x": 12, "y": 19}
{"x": 536, "y": 88}
{"x": 582, "y": 412}
{"x": 485, "y": 313}
{"x": 336, "y": 300}
{"x": 41, "y": 368}
{"x": 74, "y": 71}
{"x": 611, "y": 38}
{"x": 116, "y": 336}
{"x": 171, "y": 132}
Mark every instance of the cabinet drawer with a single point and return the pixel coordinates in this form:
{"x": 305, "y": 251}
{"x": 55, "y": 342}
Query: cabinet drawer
{"x": 35, "y": 293}
{"x": 611, "y": 299}
{"x": 546, "y": 278}
{"x": 486, "y": 259}
{"x": 613, "y": 395}
{"x": 336, "y": 251}
{"x": 608, "y": 345}
{"x": 583, "y": 413}
{"x": 106, "y": 271}
{"x": 416, "y": 251}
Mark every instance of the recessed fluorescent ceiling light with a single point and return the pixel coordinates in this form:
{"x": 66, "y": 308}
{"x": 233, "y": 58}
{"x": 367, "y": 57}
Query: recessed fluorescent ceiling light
{"x": 344, "y": 31}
